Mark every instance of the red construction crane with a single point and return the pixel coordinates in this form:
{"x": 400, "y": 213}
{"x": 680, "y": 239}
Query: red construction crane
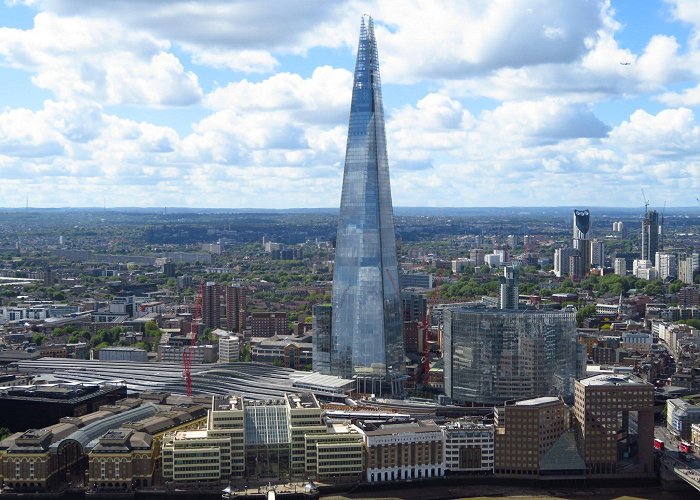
{"x": 187, "y": 353}
{"x": 427, "y": 328}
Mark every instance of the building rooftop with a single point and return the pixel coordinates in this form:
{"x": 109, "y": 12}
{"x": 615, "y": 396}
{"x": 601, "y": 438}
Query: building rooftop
{"x": 615, "y": 379}
{"x": 389, "y": 428}
{"x": 303, "y": 400}
{"x": 223, "y": 403}
{"x": 537, "y": 401}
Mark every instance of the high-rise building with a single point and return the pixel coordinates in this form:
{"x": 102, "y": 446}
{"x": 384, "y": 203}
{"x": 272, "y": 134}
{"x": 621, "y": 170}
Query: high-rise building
{"x": 211, "y": 305}
{"x": 508, "y": 289}
{"x": 620, "y": 266}
{"x": 685, "y": 268}
{"x": 321, "y": 338}
{"x": 562, "y": 257}
{"x": 367, "y": 341}
{"x": 494, "y": 355}
{"x": 597, "y": 253}
{"x": 580, "y": 241}
{"x": 666, "y": 265}
{"x": 235, "y": 308}
{"x": 582, "y": 224}
{"x": 643, "y": 269}
{"x": 650, "y": 236}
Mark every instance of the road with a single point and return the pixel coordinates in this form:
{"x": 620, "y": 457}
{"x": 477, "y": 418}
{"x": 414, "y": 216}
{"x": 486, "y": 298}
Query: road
{"x": 688, "y": 470}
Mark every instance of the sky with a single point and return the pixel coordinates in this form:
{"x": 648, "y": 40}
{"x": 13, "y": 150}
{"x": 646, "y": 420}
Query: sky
{"x": 245, "y": 103}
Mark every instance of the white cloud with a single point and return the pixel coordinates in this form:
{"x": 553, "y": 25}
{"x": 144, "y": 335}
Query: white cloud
{"x": 101, "y": 60}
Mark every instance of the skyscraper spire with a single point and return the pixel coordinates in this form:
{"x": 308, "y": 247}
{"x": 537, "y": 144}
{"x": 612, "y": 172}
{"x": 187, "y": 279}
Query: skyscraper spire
{"x": 367, "y": 336}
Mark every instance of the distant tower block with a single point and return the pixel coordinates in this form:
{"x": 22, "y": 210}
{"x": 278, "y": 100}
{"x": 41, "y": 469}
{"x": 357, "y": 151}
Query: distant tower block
{"x": 582, "y": 224}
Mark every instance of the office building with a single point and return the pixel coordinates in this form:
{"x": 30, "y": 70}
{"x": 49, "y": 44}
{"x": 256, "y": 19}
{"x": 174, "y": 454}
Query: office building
{"x": 508, "y": 288}
{"x": 495, "y": 355}
{"x": 335, "y": 455}
{"x": 229, "y": 349}
{"x": 120, "y": 353}
{"x": 255, "y": 439}
{"x": 416, "y": 280}
{"x": 650, "y": 236}
{"x": 211, "y": 305}
{"x": 321, "y": 338}
{"x": 399, "y": 451}
{"x": 680, "y": 416}
{"x": 38, "y": 406}
{"x": 367, "y": 337}
{"x": 533, "y": 439}
{"x": 615, "y": 417}
{"x": 235, "y": 297}
{"x": 469, "y": 446}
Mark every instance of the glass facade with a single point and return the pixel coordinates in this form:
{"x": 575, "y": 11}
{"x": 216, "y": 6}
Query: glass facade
{"x": 494, "y": 355}
{"x": 267, "y": 440}
{"x": 367, "y": 338}
{"x": 321, "y": 338}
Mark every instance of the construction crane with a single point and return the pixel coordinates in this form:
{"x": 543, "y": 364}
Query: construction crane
{"x": 189, "y": 351}
{"x": 646, "y": 202}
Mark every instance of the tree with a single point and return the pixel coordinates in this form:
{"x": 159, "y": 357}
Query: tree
{"x": 676, "y": 286}
{"x": 38, "y": 339}
{"x": 584, "y": 313}
{"x": 695, "y": 323}
{"x": 655, "y": 287}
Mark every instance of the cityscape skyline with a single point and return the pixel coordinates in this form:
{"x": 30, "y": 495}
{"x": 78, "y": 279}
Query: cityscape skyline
{"x": 220, "y": 106}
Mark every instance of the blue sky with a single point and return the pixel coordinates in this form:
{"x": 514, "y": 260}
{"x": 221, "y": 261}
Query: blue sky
{"x": 242, "y": 103}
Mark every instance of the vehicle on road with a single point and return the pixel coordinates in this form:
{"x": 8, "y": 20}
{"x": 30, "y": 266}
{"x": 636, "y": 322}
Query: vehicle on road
{"x": 659, "y": 444}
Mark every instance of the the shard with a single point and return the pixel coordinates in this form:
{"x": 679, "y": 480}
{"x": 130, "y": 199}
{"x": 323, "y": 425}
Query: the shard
{"x": 367, "y": 338}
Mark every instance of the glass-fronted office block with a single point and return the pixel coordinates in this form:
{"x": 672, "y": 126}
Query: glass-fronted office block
{"x": 321, "y": 338}
{"x": 367, "y": 338}
{"x": 494, "y": 355}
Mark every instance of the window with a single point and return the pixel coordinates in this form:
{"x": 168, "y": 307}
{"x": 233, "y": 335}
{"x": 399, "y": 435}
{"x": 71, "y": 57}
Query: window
{"x": 116, "y": 470}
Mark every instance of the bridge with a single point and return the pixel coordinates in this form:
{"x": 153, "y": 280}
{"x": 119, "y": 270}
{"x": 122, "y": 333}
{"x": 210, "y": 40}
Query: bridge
{"x": 682, "y": 470}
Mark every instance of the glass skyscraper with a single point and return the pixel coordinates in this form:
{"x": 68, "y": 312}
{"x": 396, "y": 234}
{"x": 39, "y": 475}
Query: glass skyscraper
{"x": 367, "y": 337}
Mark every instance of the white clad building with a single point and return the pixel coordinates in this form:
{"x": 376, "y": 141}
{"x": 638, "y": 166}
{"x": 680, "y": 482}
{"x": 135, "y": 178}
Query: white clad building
{"x": 643, "y": 269}
{"x": 666, "y": 265}
{"x": 468, "y": 446}
{"x": 229, "y": 349}
{"x": 620, "y": 266}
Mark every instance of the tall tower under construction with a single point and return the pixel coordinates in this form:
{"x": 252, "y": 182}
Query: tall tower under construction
{"x": 367, "y": 338}
{"x": 650, "y": 235}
